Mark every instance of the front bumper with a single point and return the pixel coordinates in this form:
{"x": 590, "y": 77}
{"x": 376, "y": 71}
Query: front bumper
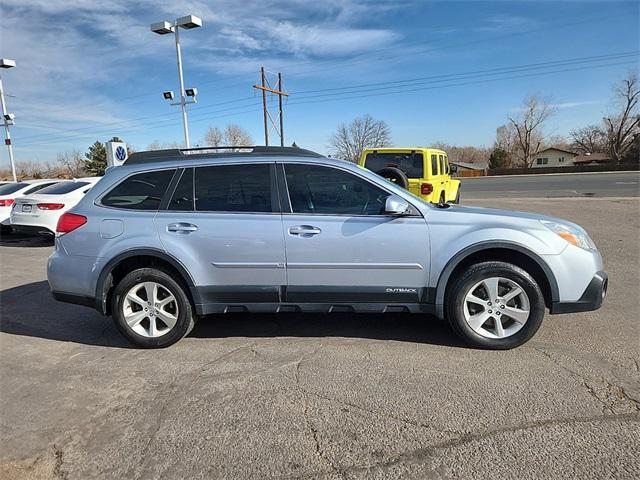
{"x": 590, "y": 300}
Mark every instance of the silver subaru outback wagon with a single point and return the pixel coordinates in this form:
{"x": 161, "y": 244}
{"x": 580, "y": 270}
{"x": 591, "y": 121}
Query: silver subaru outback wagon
{"x": 173, "y": 235}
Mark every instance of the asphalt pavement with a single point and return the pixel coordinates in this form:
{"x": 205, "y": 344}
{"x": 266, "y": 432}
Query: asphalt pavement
{"x": 323, "y": 396}
{"x": 606, "y": 184}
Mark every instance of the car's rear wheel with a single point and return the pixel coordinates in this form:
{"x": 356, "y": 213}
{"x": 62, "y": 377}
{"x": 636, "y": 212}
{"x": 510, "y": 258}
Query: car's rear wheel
{"x": 395, "y": 175}
{"x": 151, "y": 309}
{"x": 495, "y": 305}
{"x": 442, "y": 200}
{"x": 457, "y": 200}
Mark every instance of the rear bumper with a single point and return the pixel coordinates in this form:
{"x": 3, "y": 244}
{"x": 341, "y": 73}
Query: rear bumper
{"x": 590, "y": 300}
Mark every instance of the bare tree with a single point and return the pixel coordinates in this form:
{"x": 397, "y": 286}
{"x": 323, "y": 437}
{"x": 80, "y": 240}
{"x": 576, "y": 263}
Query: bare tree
{"x": 157, "y": 145}
{"x": 621, "y": 127}
{"x": 213, "y": 137}
{"x": 467, "y": 154}
{"x": 528, "y": 127}
{"x": 349, "y": 141}
{"x": 72, "y": 163}
{"x": 235, "y": 135}
{"x": 588, "y": 139}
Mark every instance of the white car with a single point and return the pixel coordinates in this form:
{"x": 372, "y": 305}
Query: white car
{"x": 11, "y": 190}
{"x": 39, "y": 213}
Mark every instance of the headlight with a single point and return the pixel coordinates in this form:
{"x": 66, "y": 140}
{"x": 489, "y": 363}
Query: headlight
{"x": 573, "y": 235}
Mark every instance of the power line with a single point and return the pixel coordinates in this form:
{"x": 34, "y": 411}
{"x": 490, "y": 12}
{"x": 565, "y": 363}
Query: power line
{"x": 401, "y": 90}
{"x": 365, "y": 57}
{"x": 392, "y": 86}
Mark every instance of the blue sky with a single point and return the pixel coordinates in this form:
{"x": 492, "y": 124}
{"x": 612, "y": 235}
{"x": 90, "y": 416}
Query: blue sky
{"x": 88, "y": 69}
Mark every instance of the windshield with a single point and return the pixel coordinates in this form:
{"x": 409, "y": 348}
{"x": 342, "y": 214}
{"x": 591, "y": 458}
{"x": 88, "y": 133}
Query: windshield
{"x": 12, "y": 187}
{"x": 62, "y": 188}
{"x": 410, "y": 163}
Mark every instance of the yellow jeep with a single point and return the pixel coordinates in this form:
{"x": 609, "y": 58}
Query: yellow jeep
{"x": 425, "y": 172}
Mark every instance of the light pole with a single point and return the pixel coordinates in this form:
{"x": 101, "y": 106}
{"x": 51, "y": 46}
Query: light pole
{"x": 7, "y": 117}
{"x": 163, "y": 28}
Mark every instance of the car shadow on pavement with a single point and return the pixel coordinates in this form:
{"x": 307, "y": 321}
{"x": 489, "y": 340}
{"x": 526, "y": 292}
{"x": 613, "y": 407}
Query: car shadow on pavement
{"x": 15, "y": 239}
{"x": 30, "y": 310}
{"x": 403, "y": 327}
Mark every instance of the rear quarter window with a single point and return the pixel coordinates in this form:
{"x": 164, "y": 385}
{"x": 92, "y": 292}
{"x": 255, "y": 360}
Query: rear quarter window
{"x": 38, "y": 187}
{"x": 61, "y": 188}
{"x": 434, "y": 165}
{"x": 10, "y": 188}
{"x": 143, "y": 191}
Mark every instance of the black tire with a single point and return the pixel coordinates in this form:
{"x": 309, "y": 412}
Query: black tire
{"x": 456, "y": 299}
{"x": 457, "y": 200}
{"x": 395, "y": 175}
{"x": 442, "y": 200}
{"x": 185, "y": 318}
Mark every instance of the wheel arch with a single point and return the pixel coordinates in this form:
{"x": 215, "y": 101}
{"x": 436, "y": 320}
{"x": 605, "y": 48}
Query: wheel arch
{"x": 129, "y": 260}
{"x": 498, "y": 251}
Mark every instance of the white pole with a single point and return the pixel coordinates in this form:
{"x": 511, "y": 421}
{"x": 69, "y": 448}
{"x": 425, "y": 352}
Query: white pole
{"x": 183, "y": 104}
{"x": 8, "y": 134}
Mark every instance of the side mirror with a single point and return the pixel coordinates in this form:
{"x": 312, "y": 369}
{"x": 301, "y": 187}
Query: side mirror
{"x": 395, "y": 205}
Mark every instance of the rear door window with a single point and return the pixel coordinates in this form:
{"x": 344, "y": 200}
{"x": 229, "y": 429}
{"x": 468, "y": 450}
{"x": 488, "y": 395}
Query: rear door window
{"x": 434, "y": 165}
{"x": 182, "y": 199}
{"x": 235, "y": 188}
{"x": 143, "y": 191}
{"x": 443, "y": 170}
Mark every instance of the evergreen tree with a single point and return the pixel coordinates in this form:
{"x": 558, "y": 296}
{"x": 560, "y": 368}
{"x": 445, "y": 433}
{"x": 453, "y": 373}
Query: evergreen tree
{"x": 95, "y": 161}
{"x": 499, "y": 158}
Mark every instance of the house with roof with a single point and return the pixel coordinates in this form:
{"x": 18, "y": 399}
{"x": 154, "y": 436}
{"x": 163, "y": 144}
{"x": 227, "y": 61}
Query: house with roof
{"x": 595, "y": 158}
{"x": 554, "y": 157}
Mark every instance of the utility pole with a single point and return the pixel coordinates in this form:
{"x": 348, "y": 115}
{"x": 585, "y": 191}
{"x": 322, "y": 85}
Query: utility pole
{"x": 7, "y": 117}
{"x": 265, "y": 87}
{"x": 280, "y": 110}
{"x": 265, "y": 111}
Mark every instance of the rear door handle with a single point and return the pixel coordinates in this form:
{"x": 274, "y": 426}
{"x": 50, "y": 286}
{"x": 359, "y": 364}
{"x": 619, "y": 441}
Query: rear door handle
{"x": 304, "y": 230}
{"x": 182, "y": 227}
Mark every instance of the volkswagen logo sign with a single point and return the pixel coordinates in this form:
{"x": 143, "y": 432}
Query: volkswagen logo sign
{"x": 121, "y": 153}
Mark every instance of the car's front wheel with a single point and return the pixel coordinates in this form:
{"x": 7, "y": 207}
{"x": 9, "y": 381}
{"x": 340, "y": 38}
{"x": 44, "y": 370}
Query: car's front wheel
{"x": 495, "y": 305}
{"x": 151, "y": 309}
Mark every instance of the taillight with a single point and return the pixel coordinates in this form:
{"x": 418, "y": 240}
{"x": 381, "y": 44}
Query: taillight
{"x": 68, "y": 222}
{"x": 426, "y": 188}
{"x": 7, "y": 202}
{"x": 50, "y": 206}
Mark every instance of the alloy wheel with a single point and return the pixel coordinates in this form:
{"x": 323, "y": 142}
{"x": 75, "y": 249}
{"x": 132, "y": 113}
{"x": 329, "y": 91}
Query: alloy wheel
{"x": 496, "y": 307}
{"x": 150, "y": 309}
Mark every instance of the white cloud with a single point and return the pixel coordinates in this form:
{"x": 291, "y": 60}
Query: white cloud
{"x": 73, "y": 54}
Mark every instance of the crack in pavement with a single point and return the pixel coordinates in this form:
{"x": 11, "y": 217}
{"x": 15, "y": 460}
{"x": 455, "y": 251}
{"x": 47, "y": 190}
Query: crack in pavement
{"x": 320, "y": 453}
{"x": 422, "y": 455}
{"x": 616, "y": 389}
{"x": 58, "y": 471}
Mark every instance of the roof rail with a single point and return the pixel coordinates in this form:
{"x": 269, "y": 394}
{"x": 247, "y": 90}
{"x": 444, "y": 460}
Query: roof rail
{"x": 209, "y": 152}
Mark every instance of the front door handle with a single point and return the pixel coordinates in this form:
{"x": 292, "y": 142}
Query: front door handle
{"x": 304, "y": 230}
{"x": 182, "y": 227}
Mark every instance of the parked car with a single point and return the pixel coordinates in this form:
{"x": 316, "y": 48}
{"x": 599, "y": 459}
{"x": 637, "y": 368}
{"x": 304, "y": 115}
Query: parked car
{"x": 39, "y": 212}
{"x": 11, "y": 190}
{"x": 425, "y": 172}
{"x": 176, "y": 234}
